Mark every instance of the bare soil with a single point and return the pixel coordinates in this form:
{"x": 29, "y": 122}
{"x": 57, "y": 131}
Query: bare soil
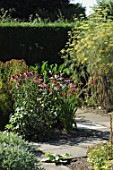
{"x": 80, "y": 163}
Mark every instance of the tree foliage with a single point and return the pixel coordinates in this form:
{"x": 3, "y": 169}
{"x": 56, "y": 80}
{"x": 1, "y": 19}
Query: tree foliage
{"x": 52, "y": 9}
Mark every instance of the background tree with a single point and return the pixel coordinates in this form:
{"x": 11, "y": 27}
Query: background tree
{"x": 73, "y": 11}
{"x": 20, "y": 8}
{"x": 45, "y": 9}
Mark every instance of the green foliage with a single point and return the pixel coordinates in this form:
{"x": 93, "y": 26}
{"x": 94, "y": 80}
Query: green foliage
{"x": 35, "y": 24}
{"x": 90, "y": 44}
{"x": 5, "y": 15}
{"x": 6, "y": 107}
{"x": 1, "y": 65}
{"x": 7, "y": 69}
{"x": 43, "y": 101}
{"x": 16, "y": 154}
{"x": 45, "y": 10}
{"x": 106, "y": 6}
{"x": 12, "y": 67}
{"x": 100, "y": 156}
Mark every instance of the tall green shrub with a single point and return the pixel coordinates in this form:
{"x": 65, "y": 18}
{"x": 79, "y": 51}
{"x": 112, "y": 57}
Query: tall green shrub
{"x": 7, "y": 70}
{"x": 91, "y": 44}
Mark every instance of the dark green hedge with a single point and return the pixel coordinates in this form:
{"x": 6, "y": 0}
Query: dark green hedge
{"x": 33, "y": 44}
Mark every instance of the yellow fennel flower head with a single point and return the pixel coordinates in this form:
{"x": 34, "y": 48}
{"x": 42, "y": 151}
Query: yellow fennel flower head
{"x": 85, "y": 59}
{"x": 101, "y": 51}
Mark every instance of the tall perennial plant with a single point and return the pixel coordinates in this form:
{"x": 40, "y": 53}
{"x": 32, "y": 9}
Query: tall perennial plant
{"x": 43, "y": 103}
{"x": 91, "y": 45}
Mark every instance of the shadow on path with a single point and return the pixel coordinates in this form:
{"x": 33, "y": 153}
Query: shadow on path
{"x": 78, "y": 136}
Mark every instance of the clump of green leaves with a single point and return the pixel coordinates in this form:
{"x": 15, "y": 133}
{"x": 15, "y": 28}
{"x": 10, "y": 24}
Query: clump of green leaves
{"x": 16, "y": 153}
{"x": 100, "y": 156}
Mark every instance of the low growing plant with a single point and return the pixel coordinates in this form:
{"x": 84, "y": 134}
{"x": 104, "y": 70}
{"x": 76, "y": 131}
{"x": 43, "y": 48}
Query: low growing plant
{"x": 16, "y": 153}
{"x": 100, "y": 156}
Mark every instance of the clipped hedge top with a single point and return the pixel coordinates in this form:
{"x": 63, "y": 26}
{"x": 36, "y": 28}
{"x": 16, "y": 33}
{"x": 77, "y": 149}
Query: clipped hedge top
{"x": 29, "y": 24}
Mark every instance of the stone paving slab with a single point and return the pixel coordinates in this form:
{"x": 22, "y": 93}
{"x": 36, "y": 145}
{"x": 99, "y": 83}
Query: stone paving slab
{"x": 93, "y": 116}
{"x": 52, "y": 166}
{"x": 87, "y": 125}
{"x": 73, "y": 149}
{"x": 77, "y": 146}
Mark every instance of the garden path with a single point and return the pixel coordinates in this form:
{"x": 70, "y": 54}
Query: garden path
{"x": 93, "y": 122}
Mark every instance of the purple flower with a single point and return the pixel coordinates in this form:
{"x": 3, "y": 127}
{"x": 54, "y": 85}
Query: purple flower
{"x": 38, "y": 79}
{"x": 16, "y": 76}
{"x": 41, "y": 89}
{"x": 43, "y": 85}
{"x": 72, "y": 85}
{"x": 20, "y": 83}
{"x": 68, "y": 80}
{"x": 30, "y": 73}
